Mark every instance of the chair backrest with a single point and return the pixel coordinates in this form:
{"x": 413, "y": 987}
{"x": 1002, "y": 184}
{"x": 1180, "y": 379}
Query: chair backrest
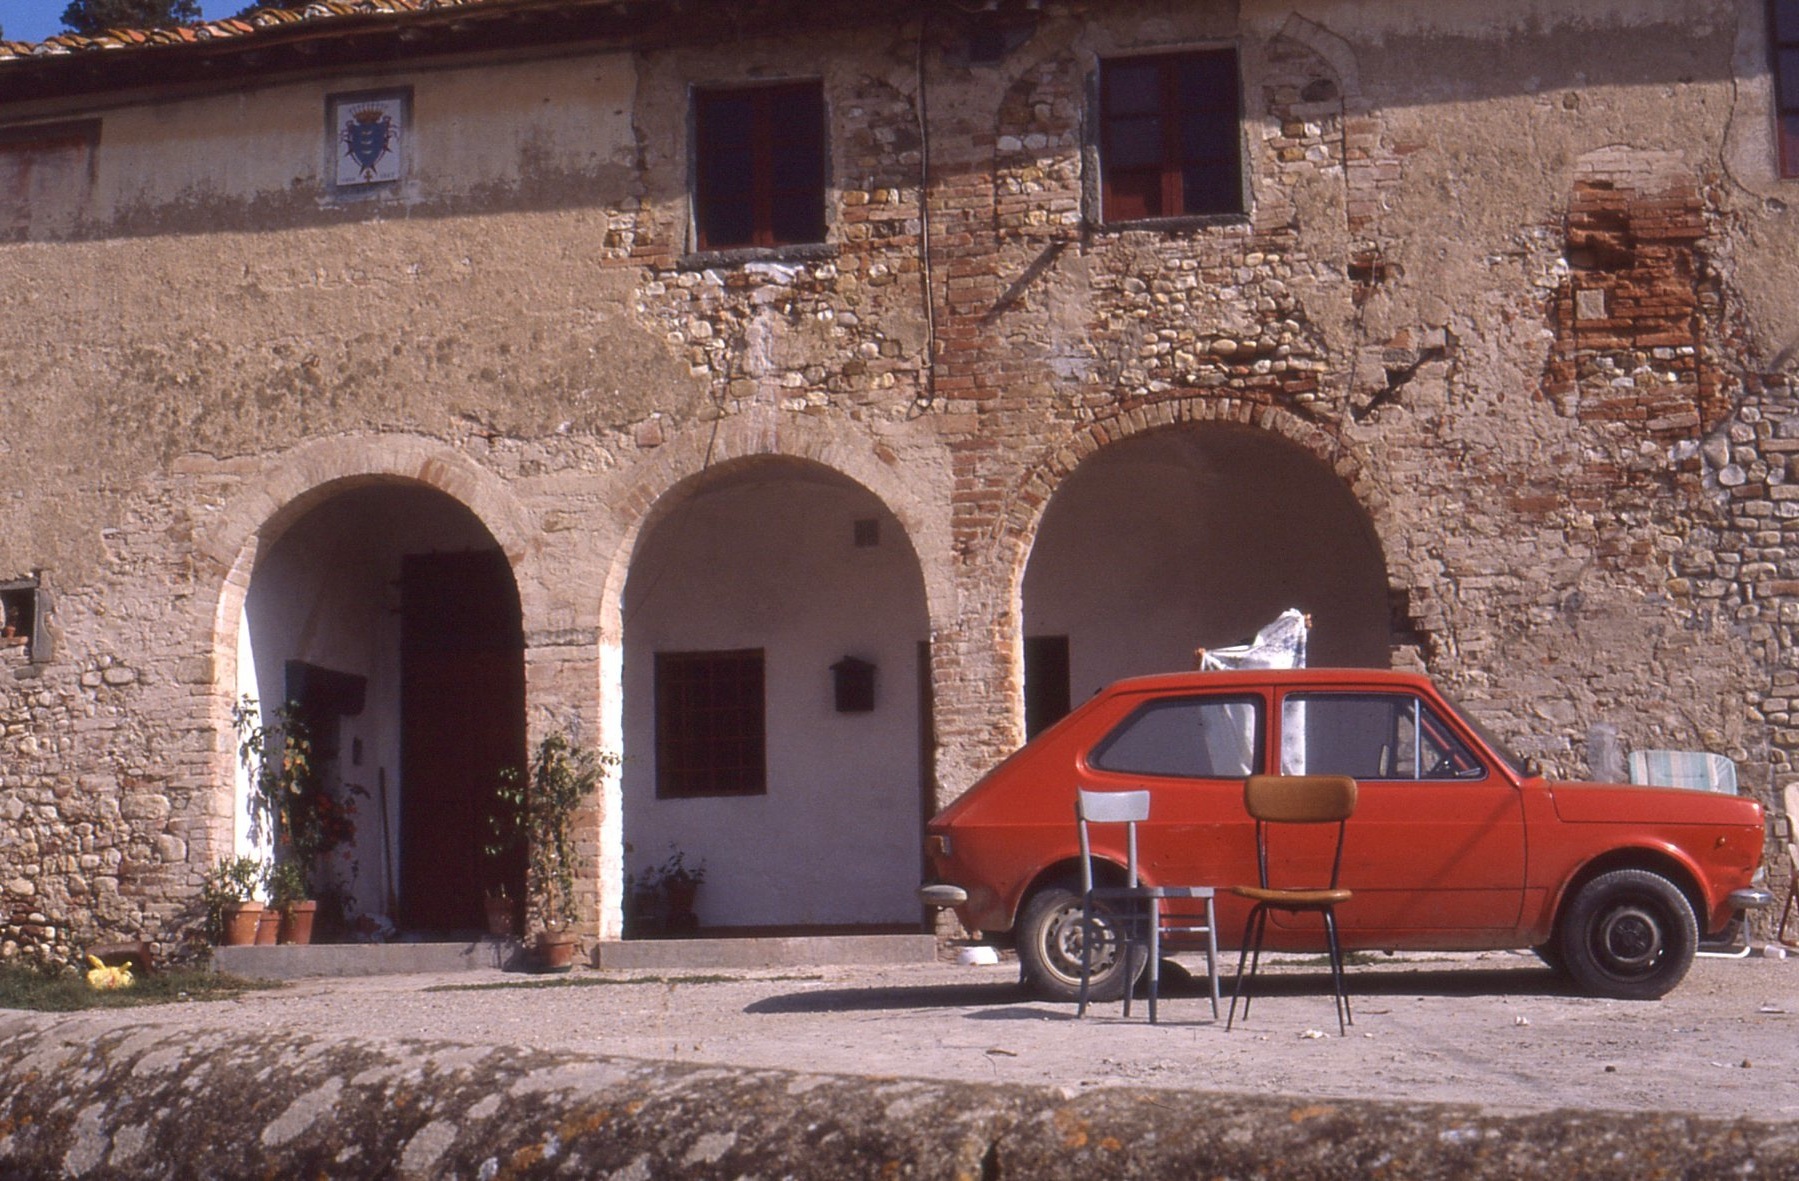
{"x": 1299, "y": 799}
{"x": 1109, "y": 807}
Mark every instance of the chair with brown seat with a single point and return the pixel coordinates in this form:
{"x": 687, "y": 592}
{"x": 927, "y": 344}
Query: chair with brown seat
{"x": 1294, "y": 799}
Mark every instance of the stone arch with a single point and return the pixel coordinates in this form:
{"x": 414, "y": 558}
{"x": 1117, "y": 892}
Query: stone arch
{"x": 1019, "y": 520}
{"x": 1330, "y": 48}
{"x": 641, "y": 491}
{"x": 856, "y": 792}
{"x": 1181, "y": 532}
{"x": 288, "y": 485}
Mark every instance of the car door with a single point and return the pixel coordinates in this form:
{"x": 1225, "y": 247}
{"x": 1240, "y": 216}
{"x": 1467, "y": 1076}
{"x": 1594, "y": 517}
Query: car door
{"x": 1192, "y": 752}
{"x": 1437, "y": 842}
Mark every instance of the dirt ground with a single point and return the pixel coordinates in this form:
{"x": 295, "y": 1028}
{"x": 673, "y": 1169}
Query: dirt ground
{"x": 1495, "y": 1029}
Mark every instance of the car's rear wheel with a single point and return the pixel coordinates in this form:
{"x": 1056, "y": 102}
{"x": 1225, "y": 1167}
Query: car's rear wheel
{"x": 1630, "y": 934}
{"x": 1050, "y": 937}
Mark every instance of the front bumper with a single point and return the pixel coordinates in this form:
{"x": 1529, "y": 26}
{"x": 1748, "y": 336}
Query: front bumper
{"x": 1750, "y": 898}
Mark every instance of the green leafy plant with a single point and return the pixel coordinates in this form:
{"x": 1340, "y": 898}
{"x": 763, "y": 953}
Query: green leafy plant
{"x": 233, "y": 880}
{"x": 677, "y": 872}
{"x": 539, "y": 807}
{"x": 286, "y": 884}
{"x": 289, "y": 802}
{"x": 283, "y": 782}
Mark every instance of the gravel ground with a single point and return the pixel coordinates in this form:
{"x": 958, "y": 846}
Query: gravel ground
{"x": 1495, "y": 1029}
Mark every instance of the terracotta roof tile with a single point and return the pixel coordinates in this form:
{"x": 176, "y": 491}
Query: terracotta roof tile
{"x": 244, "y": 25}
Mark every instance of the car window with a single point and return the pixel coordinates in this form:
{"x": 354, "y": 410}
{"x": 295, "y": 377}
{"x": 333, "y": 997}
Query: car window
{"x": 1190, "y": 737}
{"x": 1371, "y": 736}
{"x": 1481, "y": 731}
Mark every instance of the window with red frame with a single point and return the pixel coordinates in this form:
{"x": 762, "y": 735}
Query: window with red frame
{"x": 1783, "y": 33}
{"x": 710, "y": 727}
{"x": 1170, "y": 137}
{"x": 759, "y": 166}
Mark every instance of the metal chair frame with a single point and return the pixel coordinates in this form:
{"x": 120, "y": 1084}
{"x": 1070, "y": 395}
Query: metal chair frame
{"x": 1791, "y": 906}
{"x": 1294, "y": 799}
{"x": 1138, "y": 915}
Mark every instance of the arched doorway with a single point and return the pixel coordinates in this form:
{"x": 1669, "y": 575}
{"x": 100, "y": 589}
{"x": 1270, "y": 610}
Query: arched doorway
{"x": 775, "y": 700}
{"x": 387, "y": 616}
{"x": 1192, "y": 537}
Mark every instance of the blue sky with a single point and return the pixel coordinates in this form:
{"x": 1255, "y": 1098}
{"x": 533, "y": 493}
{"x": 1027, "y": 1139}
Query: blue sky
{"x": 34, "y": 20}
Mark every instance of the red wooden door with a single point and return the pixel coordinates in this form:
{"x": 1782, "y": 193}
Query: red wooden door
{"x": 462, "y": 720}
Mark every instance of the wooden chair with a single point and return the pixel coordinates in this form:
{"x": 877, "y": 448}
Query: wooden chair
{"x": 1294, "y": 799}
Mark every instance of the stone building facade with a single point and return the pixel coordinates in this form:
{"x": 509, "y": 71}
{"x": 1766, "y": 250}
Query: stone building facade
{"x": 1470, "y": 334}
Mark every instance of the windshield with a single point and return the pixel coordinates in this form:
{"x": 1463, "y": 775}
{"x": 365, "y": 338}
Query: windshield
{"x": 1487, "y": 736}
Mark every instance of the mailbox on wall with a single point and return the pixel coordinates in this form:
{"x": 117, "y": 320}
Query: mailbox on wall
{"x": 854, "y": 682}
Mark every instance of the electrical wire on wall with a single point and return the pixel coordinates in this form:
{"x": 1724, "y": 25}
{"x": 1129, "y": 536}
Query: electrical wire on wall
{"x": 926, "y": 399}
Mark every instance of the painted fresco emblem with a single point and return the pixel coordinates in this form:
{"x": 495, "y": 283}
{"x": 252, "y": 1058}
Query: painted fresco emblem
{"x": 368, "y": 136}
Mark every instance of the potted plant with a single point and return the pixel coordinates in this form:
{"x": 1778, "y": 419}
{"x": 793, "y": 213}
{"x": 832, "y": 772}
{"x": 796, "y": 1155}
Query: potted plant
{"x": 288, "y": 897}
{"x": 290, "y": 806}
{"x": 544, "y": 801}
{"x": 502, "y": 851}
{"x": 680, "y": 886}
{"x": 643, "y": 904}
{"x": 229, "y": 894}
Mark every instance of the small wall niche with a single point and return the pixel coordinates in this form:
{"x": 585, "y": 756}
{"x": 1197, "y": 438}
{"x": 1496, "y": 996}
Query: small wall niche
{"x": 22, "y": 611}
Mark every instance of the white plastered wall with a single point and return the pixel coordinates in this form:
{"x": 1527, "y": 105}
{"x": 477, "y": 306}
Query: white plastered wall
{"x": 1196, "y": 537}
{"x": 764, "y": 557}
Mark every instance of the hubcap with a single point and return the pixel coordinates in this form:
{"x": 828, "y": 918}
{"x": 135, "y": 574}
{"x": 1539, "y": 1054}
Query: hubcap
{"x": 1067, "y": 936}
{"x": 1630, "y": 938}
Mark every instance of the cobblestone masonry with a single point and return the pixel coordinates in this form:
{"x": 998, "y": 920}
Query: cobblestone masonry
{"x": 1526, "y": 286}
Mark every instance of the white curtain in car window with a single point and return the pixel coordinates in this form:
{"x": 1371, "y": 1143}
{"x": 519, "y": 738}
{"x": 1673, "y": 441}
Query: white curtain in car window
{"x": 1282, "y": 644}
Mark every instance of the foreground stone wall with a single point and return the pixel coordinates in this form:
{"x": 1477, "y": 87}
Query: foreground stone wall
{"x": 1523, "y": 280}
{"x": 221, "y": 1105}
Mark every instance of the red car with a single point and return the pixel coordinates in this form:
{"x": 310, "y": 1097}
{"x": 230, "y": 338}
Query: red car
{"x": 1455, "y": 845}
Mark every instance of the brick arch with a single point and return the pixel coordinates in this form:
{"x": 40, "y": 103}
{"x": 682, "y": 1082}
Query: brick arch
{"x": 642, "y": 493}
{"x": 290, "y": 483}
{"x": 1016, "y": 529}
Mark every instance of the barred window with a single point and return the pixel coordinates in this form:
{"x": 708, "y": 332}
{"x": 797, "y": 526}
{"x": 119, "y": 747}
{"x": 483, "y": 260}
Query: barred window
{"x": 710, "y": 725}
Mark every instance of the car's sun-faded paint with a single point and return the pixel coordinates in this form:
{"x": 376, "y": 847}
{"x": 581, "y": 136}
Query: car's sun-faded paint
{"x": 1452, "y": 864}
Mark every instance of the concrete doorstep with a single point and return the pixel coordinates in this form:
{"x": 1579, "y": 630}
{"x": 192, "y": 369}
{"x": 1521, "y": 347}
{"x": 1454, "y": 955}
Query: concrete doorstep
{"x": 81, "y": 1098}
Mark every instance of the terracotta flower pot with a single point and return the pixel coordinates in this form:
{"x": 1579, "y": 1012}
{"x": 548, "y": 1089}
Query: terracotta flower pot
{"x": 268, "y": 927}
{"x": 241, "y": 920}
{"x": 555, "y": 951}
{"x": 296, "y": 922}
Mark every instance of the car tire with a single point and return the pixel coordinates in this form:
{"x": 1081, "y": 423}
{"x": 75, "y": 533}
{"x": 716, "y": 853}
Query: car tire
{"x": 1049, "y": 949}
{"x": 1629, "y": 934}
{"x": 1551, "y": 955}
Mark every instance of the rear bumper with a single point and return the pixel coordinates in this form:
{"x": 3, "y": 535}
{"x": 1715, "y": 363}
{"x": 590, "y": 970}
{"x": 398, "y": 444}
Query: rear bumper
{"x": 942, "y": 895}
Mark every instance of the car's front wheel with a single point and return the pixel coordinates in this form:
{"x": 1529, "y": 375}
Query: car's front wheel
{"x": 1050, "y": 937}
{"x": 1630, "y": 934}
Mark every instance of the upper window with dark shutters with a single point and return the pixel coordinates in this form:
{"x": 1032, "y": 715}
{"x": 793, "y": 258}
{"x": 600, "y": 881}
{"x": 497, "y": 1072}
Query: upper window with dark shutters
{"x": 1170, "y": 136}
{"x": 1783, "y": 34}
{"x": 759, "y": 166}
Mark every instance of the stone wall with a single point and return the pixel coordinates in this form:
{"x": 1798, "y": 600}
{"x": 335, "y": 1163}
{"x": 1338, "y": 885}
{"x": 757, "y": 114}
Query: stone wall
{"x": 1523, "y": 282}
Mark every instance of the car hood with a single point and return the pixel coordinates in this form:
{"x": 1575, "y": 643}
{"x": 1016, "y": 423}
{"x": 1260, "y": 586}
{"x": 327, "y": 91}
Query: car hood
{"x": 1603, "y": 803}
